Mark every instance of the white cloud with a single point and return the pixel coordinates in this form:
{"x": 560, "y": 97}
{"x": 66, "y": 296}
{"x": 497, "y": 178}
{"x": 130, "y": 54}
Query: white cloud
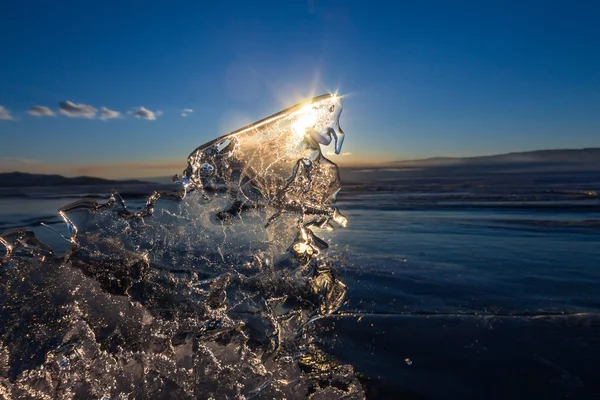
{"x": 332, "y": 153}
{"x": 186, "y": 111}
{"x": 73, "y": 110}
{"x": 5, "y": 114}
{"x": 17, "y": 160}
{"x": 105, "y": 114}
{"x": 40, "y": 111}
{"x": 144, "y": 113}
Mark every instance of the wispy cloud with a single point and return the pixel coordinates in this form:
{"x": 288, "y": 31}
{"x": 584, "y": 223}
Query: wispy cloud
{"x": 105, "y": 114}
{"x": 332, "y": 153}
{"x": 73, "y": 110}
{"x": 186, "y": 111}
{"x": 144, "y": 113}
{"x": 5, "y": 114}
{"x": 41, "y": 111}
{"x": 17, "y": 161}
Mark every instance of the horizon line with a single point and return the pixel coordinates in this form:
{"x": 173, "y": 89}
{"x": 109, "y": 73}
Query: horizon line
{"x": 87, "y": 170}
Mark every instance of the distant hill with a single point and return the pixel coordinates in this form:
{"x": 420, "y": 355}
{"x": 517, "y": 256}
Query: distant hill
{"x": 563, "y": 156}
{"x": 531, "y": 162}
{"x": 22, "y": 179}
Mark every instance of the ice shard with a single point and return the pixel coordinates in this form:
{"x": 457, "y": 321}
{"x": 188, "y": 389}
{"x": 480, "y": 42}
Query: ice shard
{"x": 275, "y": 162}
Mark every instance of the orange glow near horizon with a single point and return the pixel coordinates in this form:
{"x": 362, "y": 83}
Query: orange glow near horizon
{"x": 117, "y": 170}
{"x": 158, "y": 168}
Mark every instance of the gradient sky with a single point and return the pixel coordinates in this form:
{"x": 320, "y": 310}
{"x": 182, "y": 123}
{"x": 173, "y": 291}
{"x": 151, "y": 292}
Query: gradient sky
{"x": 420, "y": 78}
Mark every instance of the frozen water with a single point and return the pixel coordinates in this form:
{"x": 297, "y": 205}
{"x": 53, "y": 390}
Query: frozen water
{"x": 206, "y": 292}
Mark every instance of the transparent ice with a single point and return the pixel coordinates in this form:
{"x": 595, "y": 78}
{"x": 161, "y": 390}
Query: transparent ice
{"x": 210, "y": 291}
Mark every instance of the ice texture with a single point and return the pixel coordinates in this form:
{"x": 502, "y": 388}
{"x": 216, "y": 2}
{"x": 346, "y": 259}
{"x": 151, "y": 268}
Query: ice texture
{"x": 206, "y": 292}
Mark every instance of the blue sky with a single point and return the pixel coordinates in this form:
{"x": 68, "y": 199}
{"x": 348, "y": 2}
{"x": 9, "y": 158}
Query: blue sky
{"x": 421, "y": 78}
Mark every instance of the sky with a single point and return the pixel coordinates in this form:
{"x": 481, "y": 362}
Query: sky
{"x": 129, "y": 88}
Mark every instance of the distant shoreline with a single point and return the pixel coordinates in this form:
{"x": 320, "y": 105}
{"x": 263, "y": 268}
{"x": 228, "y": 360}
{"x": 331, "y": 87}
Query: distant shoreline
{"x": 24, "y": 179}
{"x": 561, "y": 161}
